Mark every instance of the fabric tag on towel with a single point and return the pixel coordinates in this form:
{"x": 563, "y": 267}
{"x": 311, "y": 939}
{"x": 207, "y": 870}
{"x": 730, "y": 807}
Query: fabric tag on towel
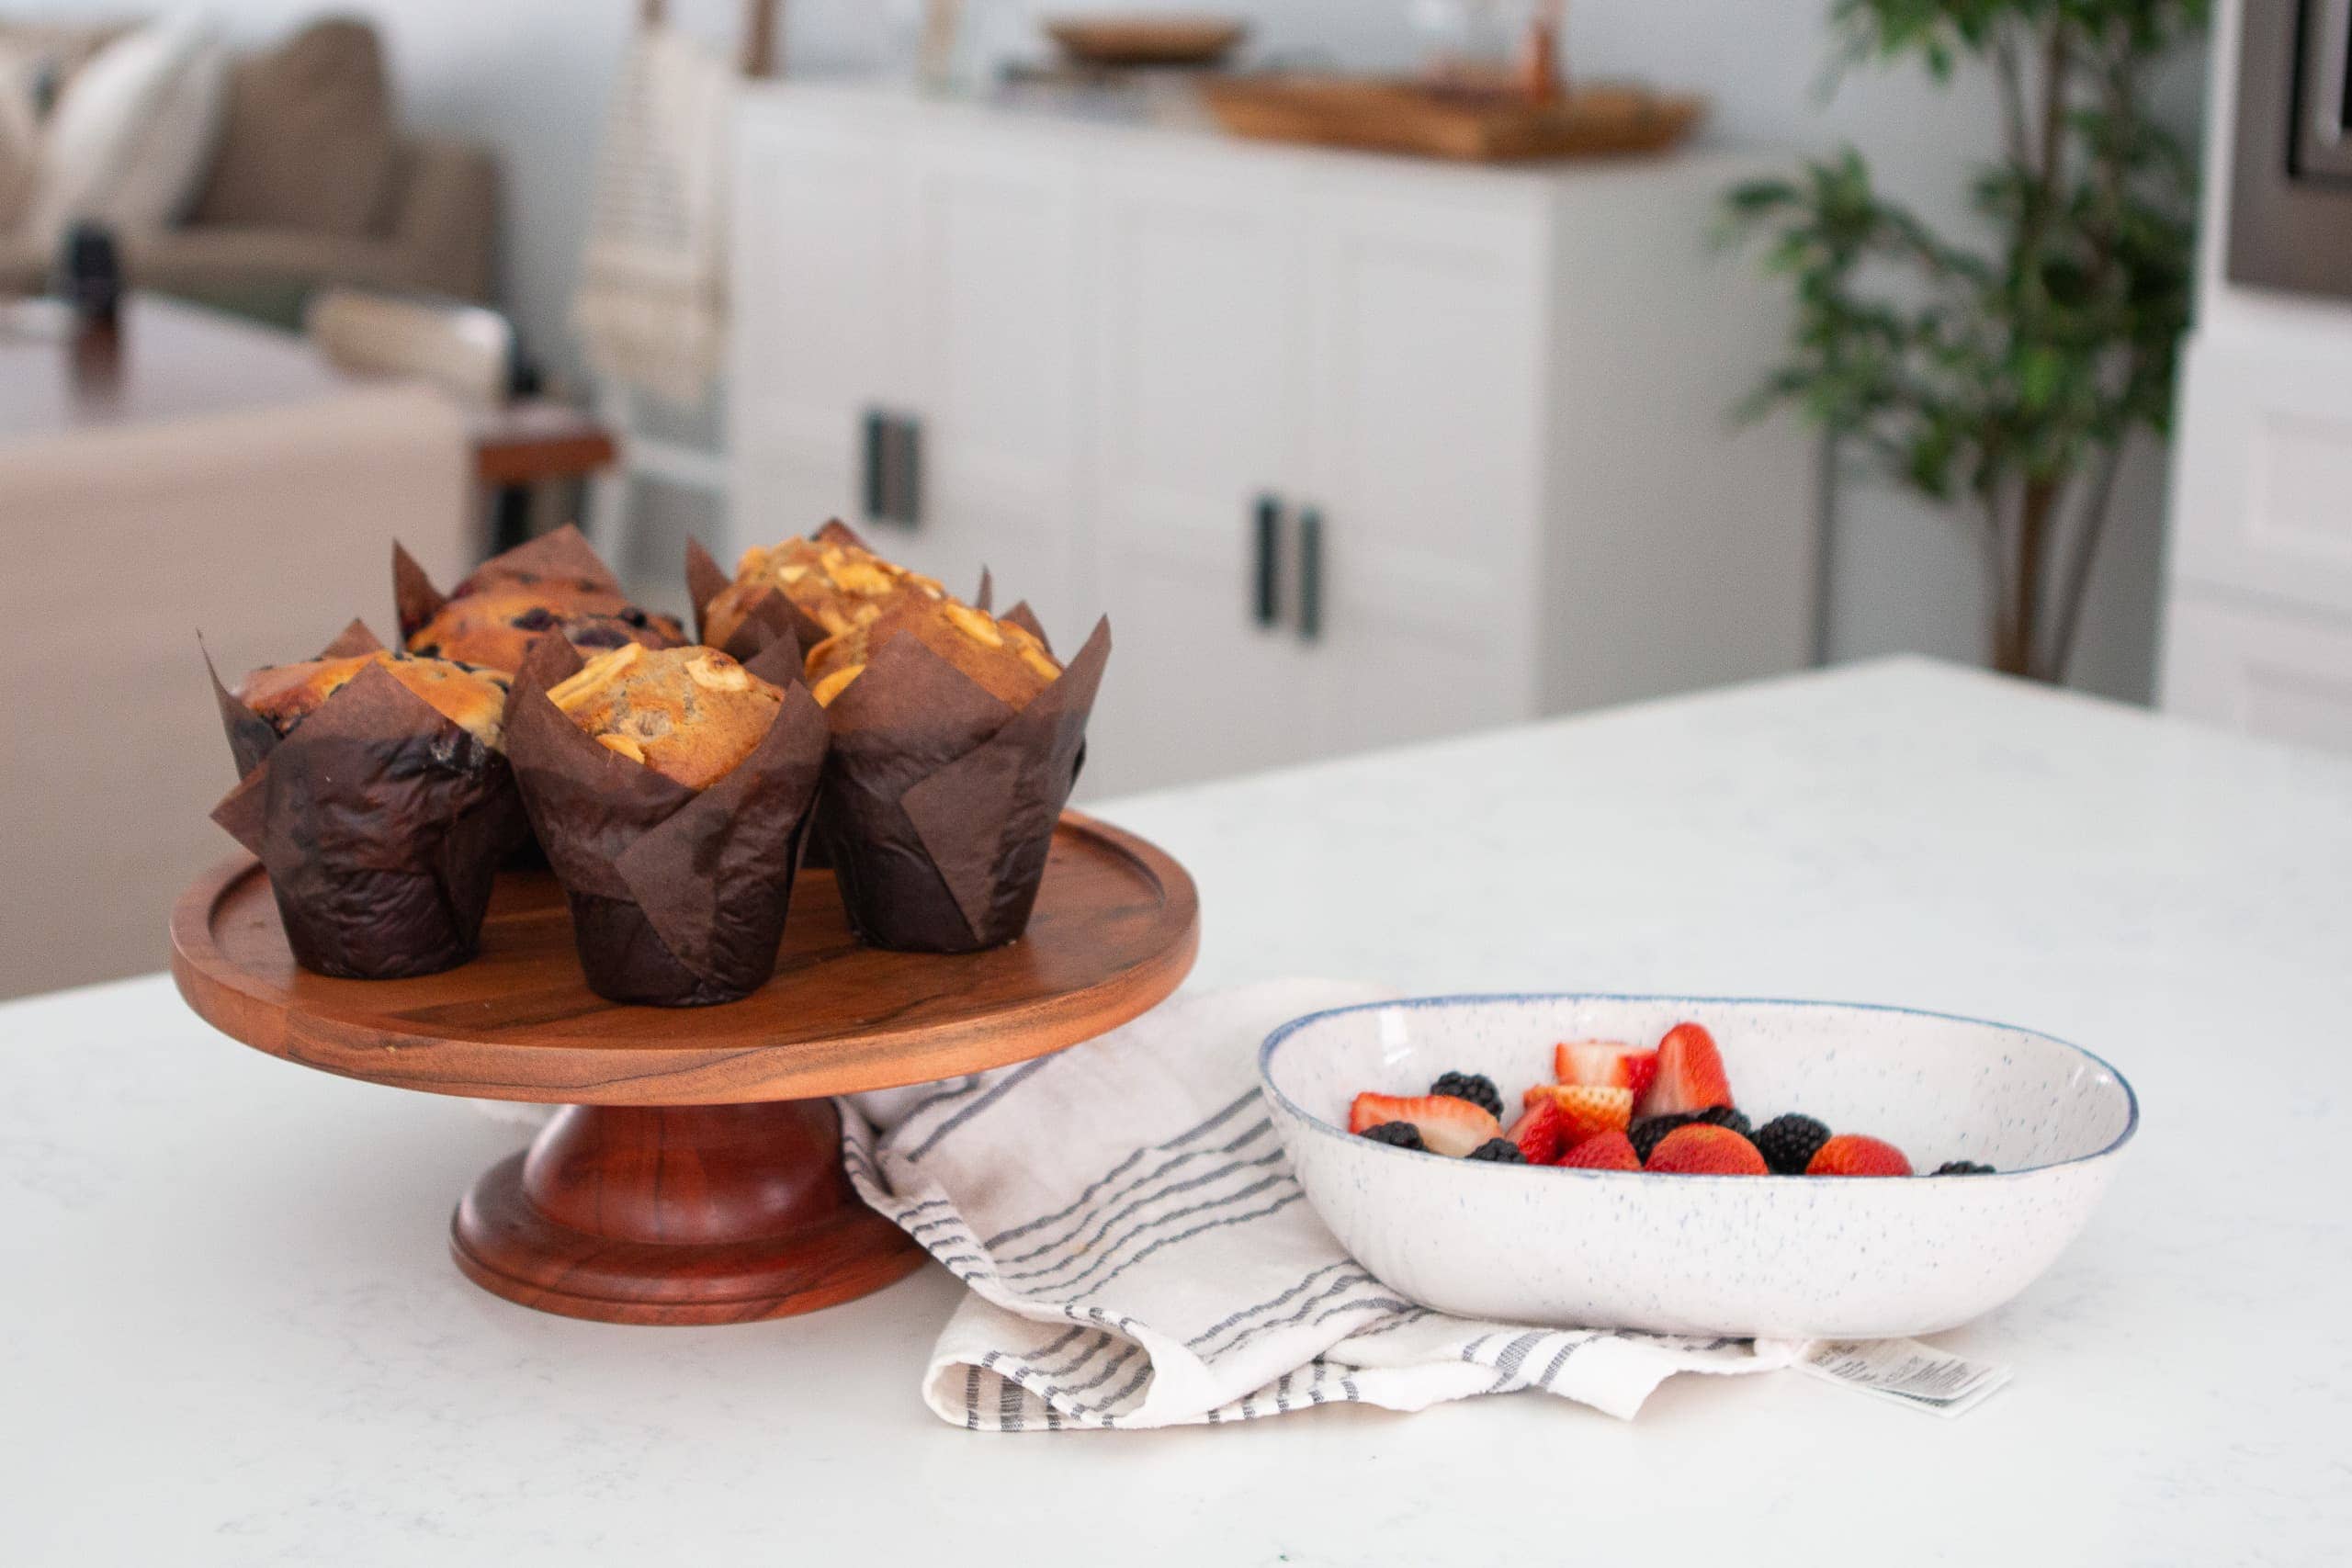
{"x": 1139, "y": 1254}
{"x": 1907, "y": 1372}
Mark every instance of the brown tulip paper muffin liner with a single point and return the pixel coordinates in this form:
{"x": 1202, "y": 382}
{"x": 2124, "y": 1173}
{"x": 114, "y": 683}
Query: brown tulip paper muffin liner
{"x": 380, "y": 821}
{"x": 678, "y": 896}
{"x": 564, "y": 554}
{"x": 940, "y": 800}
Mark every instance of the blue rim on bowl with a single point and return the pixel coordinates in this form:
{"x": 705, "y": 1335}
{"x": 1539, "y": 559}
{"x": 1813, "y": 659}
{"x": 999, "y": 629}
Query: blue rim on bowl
{"x": 1275, "y": 1041}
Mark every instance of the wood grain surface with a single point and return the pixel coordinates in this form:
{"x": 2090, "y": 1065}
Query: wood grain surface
{"x": 689, "y": 1216}
{"x": 1116, "y": 931}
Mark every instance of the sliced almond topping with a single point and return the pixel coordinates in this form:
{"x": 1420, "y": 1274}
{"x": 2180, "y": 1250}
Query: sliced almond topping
{"x": 832, "y": 685}
{"x": 717, "y": 673}
{"x": 1037, "y": 659}
{"x": 595, "y": 676}
{"x": 861, "y": 577}
{"x": 624, "y": 745}
{"x": 792, "y": 572}
{"x": 978, "y": 625}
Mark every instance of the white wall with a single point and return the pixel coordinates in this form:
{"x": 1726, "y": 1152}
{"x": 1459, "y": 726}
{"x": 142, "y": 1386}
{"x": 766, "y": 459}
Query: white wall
{"x": 530, "y": 76}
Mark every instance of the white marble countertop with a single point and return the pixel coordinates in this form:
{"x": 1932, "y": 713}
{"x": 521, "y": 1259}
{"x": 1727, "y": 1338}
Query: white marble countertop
{"x": 233, "y": 1335}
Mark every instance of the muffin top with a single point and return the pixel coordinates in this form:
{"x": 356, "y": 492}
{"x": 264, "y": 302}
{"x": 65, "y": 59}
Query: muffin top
{"x": 1001, "y": 657}
{"x": 495, "y": 626}
{"x": 689, "y": 713}
{"x": 834, "y": 583}
{"x": 286, "y": 693}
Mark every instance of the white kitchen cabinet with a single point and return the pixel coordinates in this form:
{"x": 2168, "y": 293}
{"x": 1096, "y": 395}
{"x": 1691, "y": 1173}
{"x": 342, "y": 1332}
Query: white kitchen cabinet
{"x": 1353, "y": 450}
{"x": 2258, "y": 614}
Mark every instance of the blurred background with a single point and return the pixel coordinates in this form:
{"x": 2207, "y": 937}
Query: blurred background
{"x": 1385, "y": 368}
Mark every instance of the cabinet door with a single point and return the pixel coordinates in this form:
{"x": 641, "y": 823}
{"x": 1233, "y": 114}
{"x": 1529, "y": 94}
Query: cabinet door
{"x": 2280, "y": 674}
{"x": 993, "y": 315}
{"x": 818, "y": 287}
{"x": 1428, "y": 325}
{"x": 1199, "y": 375}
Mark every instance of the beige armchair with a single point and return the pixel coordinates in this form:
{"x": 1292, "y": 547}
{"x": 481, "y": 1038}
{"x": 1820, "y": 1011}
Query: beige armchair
{"x": 432, "y": 227}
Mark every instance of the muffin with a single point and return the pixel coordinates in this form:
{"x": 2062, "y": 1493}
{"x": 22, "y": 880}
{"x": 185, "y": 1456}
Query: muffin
{"x": 494, "y": 627}
{"x": 374, "y": 791}
{"x": 671, "y": 790}
{"x": 833, "y": 582}
{"x": 472, "y": 698}
{"x": 554, "y": 583}
{"x": 689, "y": 713}
{"x": 956, "y": 740}
{"x": 1003, "y": 658}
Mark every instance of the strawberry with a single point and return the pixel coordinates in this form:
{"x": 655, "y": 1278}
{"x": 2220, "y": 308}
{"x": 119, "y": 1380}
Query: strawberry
{"x": 1689, "y": 1074}
{"x": 1540, "y": 1133}
{"x": 1584, "y": 1110}
{"x": 1605, "y": 1064}
{"x": 1850, "y": 1153}
{"x": 1448, "y": 1127}
{"x": 1606, "y": 1151}
{"x": 1702, "y": 1150}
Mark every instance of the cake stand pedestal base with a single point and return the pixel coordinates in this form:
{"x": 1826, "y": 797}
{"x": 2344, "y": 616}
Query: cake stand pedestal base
{"x": 679, "y": 1215}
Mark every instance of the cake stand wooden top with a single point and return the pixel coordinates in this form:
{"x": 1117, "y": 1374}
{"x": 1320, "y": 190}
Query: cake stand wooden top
{"x": 1116, "y": 926}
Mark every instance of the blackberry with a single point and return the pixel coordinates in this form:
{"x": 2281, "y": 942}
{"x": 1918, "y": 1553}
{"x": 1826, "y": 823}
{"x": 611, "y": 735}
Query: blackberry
{"x": 1962, "y": 1167}
{"x": 1396, "y": 1135}
{"x": 1502, "y": 1151}
{"x": 1646, "y": 1132}
{"x": 1789, "y": 1143}
{"x": 1726, "y": 1116}
{"x": 1476, "y": 1088}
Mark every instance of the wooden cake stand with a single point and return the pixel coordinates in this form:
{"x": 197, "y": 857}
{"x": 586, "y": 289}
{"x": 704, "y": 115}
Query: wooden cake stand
{"x": 695, "y": 1176}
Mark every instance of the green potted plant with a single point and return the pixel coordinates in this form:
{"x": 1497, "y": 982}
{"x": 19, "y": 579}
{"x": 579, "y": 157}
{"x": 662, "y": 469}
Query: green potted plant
{"x": 2005, "y": 376}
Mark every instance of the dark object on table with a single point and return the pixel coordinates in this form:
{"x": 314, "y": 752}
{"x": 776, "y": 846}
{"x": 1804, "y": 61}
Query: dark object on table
{"x": 89, "y": 277}
{"x": 1397, "y": 1136}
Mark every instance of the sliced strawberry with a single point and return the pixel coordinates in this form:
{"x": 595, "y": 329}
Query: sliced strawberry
{"x": 1584, "y": 1110}
{"x": 1850, "y": 1153}
{"x": 1699, "y": 1149}
{"x": 1449, "y": 1126}
{"x": 1605, "y": 1064}
{"x": 1689, "y": 1074}
{"x": 1607, "y": 1151}
{"x": 1540, "y": 1133}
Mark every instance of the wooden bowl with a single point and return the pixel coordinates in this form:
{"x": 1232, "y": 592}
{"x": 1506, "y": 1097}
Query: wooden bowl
{"x": 695, "y": 1175}
{"x": 1128, "y": 41}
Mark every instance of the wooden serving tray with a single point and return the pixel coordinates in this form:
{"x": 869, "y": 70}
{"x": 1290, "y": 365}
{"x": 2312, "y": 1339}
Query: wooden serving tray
{"x": 1388, "y": 115}
{"x": 695, "y": 1176}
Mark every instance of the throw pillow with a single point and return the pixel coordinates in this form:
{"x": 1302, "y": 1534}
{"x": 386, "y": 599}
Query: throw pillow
{"x": 19, "y": 135}
{"x": 309, "y": 138}
{"x": 133, "y": 132}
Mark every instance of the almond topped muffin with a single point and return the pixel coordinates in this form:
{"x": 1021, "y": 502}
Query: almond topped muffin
{"x": 689, "y": 713}
{"x": 494, "y": 626}
{"x": 474, "y": 698}
{"x": 1000, "y": 657}
{"x": 836, "y": 583}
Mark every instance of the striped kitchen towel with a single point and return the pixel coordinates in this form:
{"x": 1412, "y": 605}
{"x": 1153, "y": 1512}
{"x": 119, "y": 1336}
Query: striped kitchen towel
{"x": 1139, "y": 1254}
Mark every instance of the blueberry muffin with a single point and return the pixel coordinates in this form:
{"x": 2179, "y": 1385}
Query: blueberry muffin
{"x": 493, "y": 625}
{"x": 1000, "y": 657}
{"x": 689, "y": 713}
{"x": 466, "y": 694}
{"x": 835, "y": 583}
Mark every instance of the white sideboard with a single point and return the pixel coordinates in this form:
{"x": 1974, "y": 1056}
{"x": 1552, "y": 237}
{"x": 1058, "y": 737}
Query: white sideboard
{"x": 1353, "y": 450}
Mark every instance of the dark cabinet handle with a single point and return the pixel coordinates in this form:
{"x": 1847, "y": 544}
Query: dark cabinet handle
{"x": 1267, "y": 577}
{"x": 1310, "y": 575}
{"x": 877, "y": 436}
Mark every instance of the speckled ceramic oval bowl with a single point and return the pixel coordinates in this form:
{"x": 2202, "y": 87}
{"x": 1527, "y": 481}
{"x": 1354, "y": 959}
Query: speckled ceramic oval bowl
{"x": 1785, "y": 1257}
